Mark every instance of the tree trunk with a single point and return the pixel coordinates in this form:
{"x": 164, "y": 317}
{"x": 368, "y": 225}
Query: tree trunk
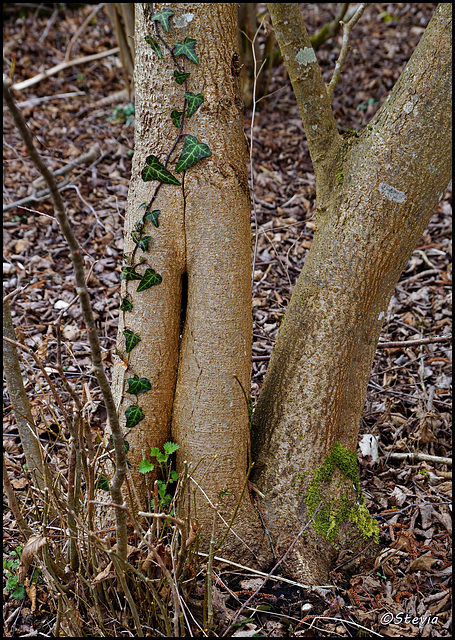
{"x": 376, "y": 194}
{"x": 199, "y": 372}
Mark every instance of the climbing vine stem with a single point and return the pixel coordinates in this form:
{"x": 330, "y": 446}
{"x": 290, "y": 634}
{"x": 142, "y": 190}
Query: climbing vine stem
{"x": 155, "y": 170}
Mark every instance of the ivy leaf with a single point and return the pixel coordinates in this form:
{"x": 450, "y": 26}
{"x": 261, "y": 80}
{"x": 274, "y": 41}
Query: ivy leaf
{"x": 144, "y": 243}
{"x": 180, "y": 77}
{"x": 126, "y": 305}
{"x": 130, "y": 273}
{"x": 192, "y": 152}
{"x": 131, "y": 339}
{"x": 149, "y": 279}
{"x": 143, "y": 205}
{"x": 163, "y": 18}
{"x": 170, "y": 447}
{"x": 134, "y": 415}
{"x": 157, "y": 171}
{"x": 102, "y": 483}
{"x": 126, "y": 445}
{"x": 153, "y": 216}
{"x": 155, "y": 46}
{"x": 176, "y": 118}
{"x": 138, "y": 385}
{"x": 145, "y": 466}
{"x": 194, "y": 102}
{"x": 186, "y": 49}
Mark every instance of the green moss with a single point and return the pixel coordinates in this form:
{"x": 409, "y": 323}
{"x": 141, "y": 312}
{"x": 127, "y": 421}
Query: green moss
{"x": 340, "y": 177}
{"x": 332, "y": 514}
{"x": 299, "y": 477}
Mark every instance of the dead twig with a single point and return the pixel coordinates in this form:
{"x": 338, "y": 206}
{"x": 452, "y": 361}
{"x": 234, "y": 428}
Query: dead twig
{"x": 63, "y": 65}
{"x": 423, "y": 457}
{"x": 414, "y": 343}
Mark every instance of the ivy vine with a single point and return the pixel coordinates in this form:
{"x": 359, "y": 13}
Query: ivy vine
{"x": 191, "y": 152}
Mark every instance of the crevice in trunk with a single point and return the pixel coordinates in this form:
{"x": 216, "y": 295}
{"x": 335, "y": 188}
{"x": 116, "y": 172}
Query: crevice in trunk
{"x": 183, "y": 303}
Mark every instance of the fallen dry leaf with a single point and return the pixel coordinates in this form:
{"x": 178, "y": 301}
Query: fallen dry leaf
{"x": 31, "y": 548}
{"x": 423, "y": 563}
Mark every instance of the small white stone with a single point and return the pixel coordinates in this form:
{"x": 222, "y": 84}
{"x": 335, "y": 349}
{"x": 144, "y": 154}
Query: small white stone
{"x": 61, "y": 304}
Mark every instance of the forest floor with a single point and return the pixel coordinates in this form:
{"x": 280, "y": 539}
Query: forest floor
{"x": 408, "y": 407}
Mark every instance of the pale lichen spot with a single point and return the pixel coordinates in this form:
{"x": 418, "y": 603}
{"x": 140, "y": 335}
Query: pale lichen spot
{"x": 408, "y": 107}
{"x": 306, "y": 56}
{"x": 391, "y": 193}
{"x": 314, "y": 127}
{"x": 432, "y": 169}
{"x": 381, "y": 315}
{"x": 182, "y": 21}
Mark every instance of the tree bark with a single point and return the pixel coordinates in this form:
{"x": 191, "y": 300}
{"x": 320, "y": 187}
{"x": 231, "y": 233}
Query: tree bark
{"x": 375, "y": 196}
{"x": 203, "y": 242}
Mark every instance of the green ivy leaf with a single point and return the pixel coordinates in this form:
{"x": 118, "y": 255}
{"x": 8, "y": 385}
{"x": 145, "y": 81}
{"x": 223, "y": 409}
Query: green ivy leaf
{"x": 163, "y": 18}
{"x": 176, "y": 118}
{"x": 194, "y": 102}
{"x": 126, "y": 445}
{"x": 131, "y": 339}
{"x": 138, "y": 385}
{"x": 16, "y": 588}
{"x": 102, "y": 483}
{"x": 144, "y": 243}
{"x": 192, "y": 152}
{"x": 155, "y": 46}
{"x": 153, "y": 216}
{"x": 149, "y": 279}
{"x": 143, "y": 205}
{"x": 134, "y": 415}
{"x": 157, "y": 171}
{"x": 126, "y": 305}
{"x": 186, "y": 49}
{"x": 130, "y": 273}
{"x": 145, "y": 466}
{"x": 180, "y": 77}
{"x": 170, "y": 447}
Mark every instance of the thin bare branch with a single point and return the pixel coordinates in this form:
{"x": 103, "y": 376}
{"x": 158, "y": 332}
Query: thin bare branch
{"x": 347, "y": 28}
{"x": 309, "y": 87}
{"x": 81, "y": 289}
{"x": 63, "y": 65}
{"x": 414, "y": 343}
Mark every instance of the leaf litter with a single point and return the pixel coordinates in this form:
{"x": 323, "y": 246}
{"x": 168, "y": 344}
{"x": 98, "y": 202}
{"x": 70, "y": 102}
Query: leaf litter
{"x": 408, "y": 404}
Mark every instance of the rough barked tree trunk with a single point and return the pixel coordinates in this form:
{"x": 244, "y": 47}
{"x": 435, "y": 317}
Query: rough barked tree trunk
{"x": 203, "y": 245}
{"x": 375, "y": 196}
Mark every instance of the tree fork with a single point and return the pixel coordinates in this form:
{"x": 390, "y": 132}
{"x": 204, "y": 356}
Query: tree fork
{"x": 373, "y": 206}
